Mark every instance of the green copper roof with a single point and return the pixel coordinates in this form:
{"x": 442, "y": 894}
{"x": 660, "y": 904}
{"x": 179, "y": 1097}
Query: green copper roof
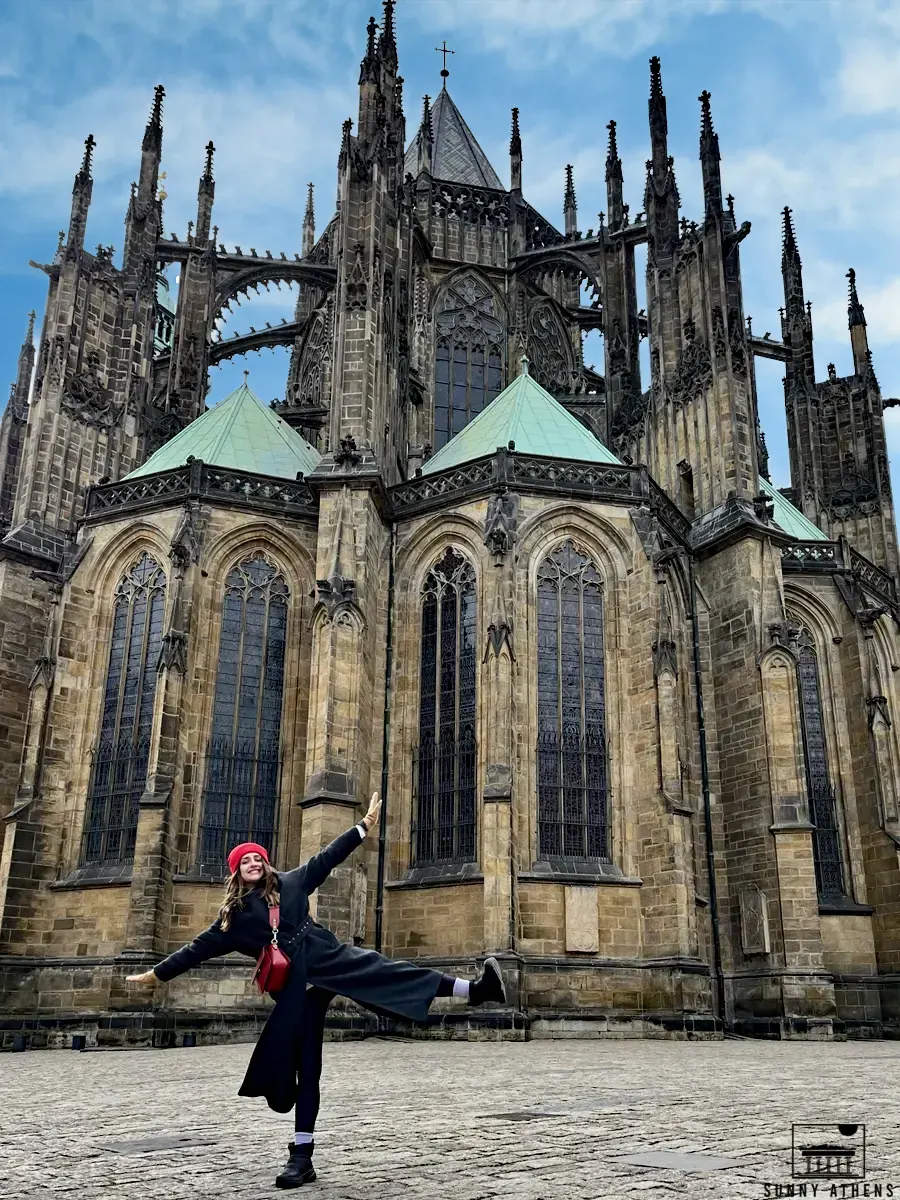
{"x": 791, "y": 519}
{"x": 239, "y": 432}
{"x": 528, "y": 416}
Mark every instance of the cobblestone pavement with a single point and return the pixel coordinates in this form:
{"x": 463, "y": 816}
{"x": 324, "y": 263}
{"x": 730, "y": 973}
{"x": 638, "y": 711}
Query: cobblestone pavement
{"x": 442, "y": 1120}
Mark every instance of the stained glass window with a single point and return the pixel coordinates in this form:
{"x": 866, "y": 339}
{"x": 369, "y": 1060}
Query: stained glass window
{"x": 571, "y": 750}
{"x": 445, "y": 761}
{"x": 119, "y": 770}
{"x": 822, "y": 801}
{"x": 468, "y": 368}
{"x": 240, "y": 797}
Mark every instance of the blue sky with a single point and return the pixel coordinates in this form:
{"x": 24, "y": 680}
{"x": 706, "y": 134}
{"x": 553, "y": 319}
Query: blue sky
{"x": 805, "y": 95}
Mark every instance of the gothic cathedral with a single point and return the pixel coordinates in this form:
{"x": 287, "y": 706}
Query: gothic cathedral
{"x": 633, "y": 710}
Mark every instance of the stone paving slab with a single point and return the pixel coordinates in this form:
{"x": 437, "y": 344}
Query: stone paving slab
{"x": 539, "y": 1120}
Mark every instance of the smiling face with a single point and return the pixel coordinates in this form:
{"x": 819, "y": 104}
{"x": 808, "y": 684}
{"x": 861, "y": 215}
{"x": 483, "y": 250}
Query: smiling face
{"x": 252, "y": 868}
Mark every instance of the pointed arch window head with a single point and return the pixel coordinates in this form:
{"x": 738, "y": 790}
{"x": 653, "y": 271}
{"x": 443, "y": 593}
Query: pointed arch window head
{"x": 468, "y": 360}
{"x": 122, "y": 751}
{"x": 571, "y": 750}
{"x": 240, "y": 796}
{"x": 827, "y": 858}
{"x": 445, "y": 761}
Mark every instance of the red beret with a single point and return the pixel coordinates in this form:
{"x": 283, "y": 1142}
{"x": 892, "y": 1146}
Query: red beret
{"x": 234, "y": 858}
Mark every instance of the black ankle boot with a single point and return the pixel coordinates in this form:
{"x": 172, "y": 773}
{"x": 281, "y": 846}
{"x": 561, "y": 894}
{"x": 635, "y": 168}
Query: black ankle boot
{"x": 489, "y": 986}
{"x": 298, "y": 1169}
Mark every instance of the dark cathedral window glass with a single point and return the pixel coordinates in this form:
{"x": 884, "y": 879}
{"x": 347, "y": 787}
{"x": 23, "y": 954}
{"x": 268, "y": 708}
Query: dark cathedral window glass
{"x": 822, "y": 801}
{"x": 571, "y": 750}
{"x": 445, "y": 761}
{"x": 119, "y": 770}
{"x": 468, "y": 368}
{"x": 240, "y": 797}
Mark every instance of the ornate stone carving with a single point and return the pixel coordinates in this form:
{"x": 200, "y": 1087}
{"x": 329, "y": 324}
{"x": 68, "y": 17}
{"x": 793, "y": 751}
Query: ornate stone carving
{"x": 468, "y": 312}
{"x": 786, "y": 634}
{"x": 754, "y": 921}
{"x": 500, "y": 523}
{"x": 720, "y": 342}
{"x": 184, "y": 548}
{"x": 348, "y": 455}
{"x": 88, "y": 400}
{"x": 694, "y": 372}
{"x": 549, "y": 349}
{"x": 357, "y": 292}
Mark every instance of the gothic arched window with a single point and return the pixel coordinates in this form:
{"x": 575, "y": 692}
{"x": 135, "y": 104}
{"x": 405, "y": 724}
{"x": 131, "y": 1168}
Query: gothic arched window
{"x": 119, "y": 770}
{"x": 468, "y": 361}
{"x": 571, "y": 750}
{"x": 240, "y": 796}
{"x": 822, "y": 804}
{"x": 444, "y": 826}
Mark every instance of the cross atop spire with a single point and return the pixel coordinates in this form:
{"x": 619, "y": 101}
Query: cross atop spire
{"x": 387, "y": 45}
{"x": 208, "y": 166}
{"x": 789, "y": 251}
{"x": 515, "y": 141}
{"x": 612, "y": 153}
{"x": 656, "y": 92}
{"x": 442, "y": 49}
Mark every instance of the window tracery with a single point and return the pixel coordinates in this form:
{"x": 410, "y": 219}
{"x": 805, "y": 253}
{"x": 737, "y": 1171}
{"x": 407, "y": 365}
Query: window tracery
{"x": 468, "y": 369}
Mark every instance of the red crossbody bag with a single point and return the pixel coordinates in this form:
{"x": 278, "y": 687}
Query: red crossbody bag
{"x": 273, "y": 965}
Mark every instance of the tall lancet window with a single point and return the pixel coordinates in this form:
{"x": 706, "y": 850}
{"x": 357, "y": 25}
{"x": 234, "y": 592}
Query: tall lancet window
{"x": 240, "y": 797}
{"x": 571, "y": 750}
{"x": 468, "y": 361}
{"x": 122, "y": 752}
{"x": 444, "y": 824}
{"x": 822, "y": 803}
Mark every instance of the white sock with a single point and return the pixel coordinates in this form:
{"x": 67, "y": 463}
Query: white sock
{"x": 301, "y": 1139}
{"x": 461, "y": 988}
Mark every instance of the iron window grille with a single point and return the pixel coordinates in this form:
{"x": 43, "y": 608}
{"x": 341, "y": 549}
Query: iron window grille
{"x": 122, "y": 751}
{"x": 445, "y": 761}
{"x": 243, "y": 761}
{"x": 822, "y": 799}
{"x": 572, "y": 755}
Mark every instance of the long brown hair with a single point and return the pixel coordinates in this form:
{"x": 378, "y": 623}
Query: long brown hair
{"x": 236, "y": 891}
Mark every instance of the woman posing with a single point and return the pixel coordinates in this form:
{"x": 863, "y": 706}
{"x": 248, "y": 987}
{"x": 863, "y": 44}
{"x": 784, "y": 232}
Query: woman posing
{"x": 317, "y": 958}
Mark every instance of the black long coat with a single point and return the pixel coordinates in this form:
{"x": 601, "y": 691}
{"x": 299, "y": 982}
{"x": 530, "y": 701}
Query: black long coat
{"x": 365, "y": 976}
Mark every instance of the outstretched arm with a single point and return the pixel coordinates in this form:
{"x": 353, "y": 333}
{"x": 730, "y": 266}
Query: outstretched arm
{"x": 210, "y": 943}
{"x": 320, "y": 866}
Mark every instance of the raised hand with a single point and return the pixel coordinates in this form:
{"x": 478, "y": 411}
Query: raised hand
{"x": 147, "y": 979}
{"x": 370, "y": 820}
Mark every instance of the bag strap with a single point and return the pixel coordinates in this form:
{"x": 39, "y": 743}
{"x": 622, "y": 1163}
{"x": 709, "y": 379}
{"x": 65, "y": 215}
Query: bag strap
{"x": 274, "y": 914}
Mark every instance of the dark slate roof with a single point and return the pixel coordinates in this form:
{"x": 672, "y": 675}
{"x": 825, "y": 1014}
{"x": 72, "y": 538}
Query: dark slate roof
{"x": 456, "y": 155}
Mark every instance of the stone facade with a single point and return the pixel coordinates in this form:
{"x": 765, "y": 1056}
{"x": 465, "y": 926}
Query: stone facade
{"x": 751, "y": 770}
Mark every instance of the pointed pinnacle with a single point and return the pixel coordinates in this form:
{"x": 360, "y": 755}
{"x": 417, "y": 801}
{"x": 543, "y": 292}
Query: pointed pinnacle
{"x": 208, "y": 168}
{"x": 789, "y": 249}
{"x": 656, "y": 92}
{"x": 427, "y": 126}
{"x": 309, "y": 202}
{"x": 387, "y": 25}
{"x": 855, "y": 312}
{"x": 87, "y": 161}
{"x": 570, "y": 187}
{"x": 153, "y": 132}
{"x": 515, "y": 141}
{"x": 29, "y": 333}
{"x": 706, "y": 125}
{"x": 612, "y": 152}
{"x": 371, "y": 30}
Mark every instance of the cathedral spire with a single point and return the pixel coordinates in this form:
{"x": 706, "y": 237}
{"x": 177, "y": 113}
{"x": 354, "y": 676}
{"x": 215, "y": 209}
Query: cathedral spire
{"x": 22, "y": 385}
{"x": 309, "y": 224}
{"x": 791, "y": 268}
{"x": 387, "y": 44}
{"x": 796, "y": 324}
{"x": 81, "y": 197}
{"x": 614, "y": 199}
{"x": 570, "y": 207}
{"x": 206, "y": 194}
{"x": 857, "y": 321}
{"x": 659, "y": 127}
{"x": 367, "y": 67}
{"x": 515, "y": 154}
{"x": 153, "y": 132}
{"x": 709, "y": 158}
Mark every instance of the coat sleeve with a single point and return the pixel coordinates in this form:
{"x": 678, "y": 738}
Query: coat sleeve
{"x": 314, "y": 873}
{"x": 210, "y": 943}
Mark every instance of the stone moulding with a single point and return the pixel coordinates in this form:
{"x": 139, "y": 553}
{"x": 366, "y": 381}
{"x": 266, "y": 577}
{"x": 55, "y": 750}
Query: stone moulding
{"x": 199, "y": 481}
{"x": 840, "y": 558}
